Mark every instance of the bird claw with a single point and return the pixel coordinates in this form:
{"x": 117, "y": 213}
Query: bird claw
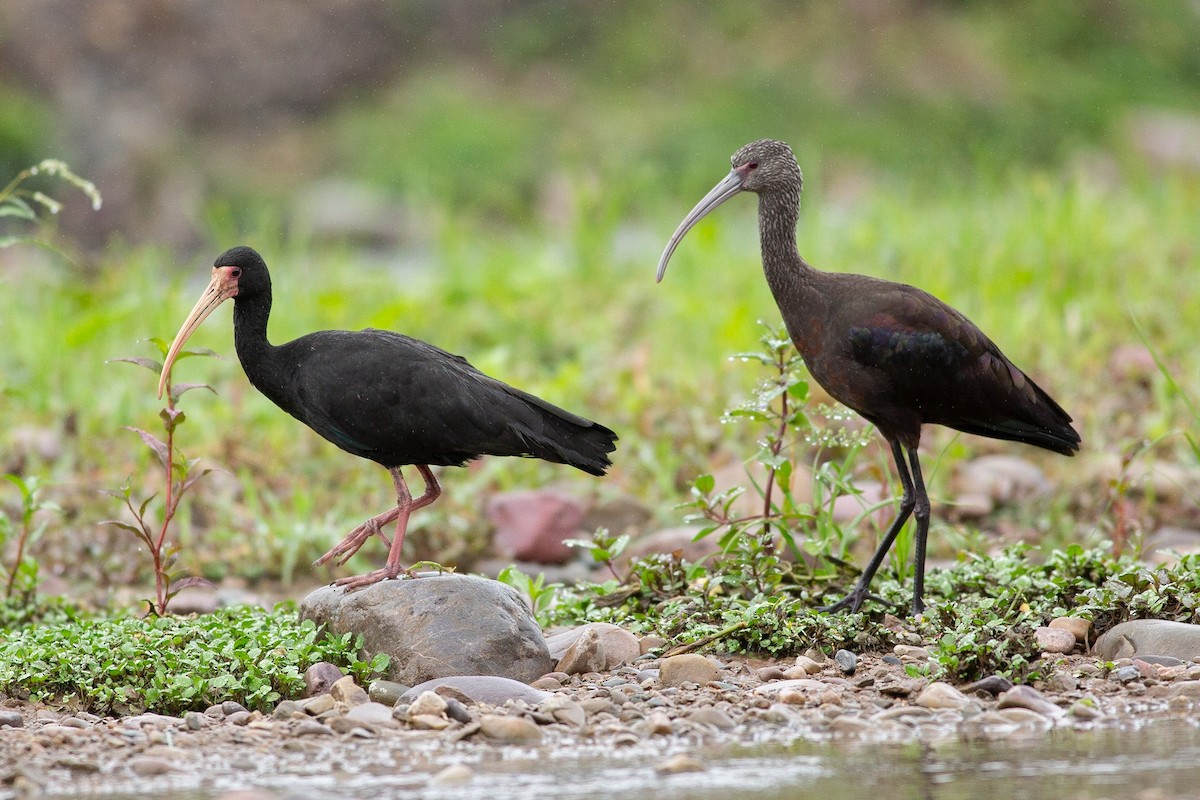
{"x": 852, "y": 601}
{"x": 354, "y": 582}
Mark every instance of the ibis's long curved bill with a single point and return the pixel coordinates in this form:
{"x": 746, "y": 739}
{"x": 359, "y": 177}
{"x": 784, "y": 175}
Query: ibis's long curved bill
{"x": 727, "y": 188}
{"x": 222, "y": 287}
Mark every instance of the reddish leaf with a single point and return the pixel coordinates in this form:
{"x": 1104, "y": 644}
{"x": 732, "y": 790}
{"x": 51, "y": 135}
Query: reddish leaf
{"x": 148, "y": 363}
{"x": 154, "y": 443}
{"x": 177, "y": 390}
{"x": 172, "y": 418}
{"x": 188, "y": 583}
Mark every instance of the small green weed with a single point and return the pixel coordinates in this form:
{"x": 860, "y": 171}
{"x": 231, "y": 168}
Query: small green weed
{"x": 23, "y": 571}
{"x": 170, "y": 665}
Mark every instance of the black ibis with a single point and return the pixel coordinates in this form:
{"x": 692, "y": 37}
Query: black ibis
{"x": 389, "y": 398}
{"x": 895, "y": 354}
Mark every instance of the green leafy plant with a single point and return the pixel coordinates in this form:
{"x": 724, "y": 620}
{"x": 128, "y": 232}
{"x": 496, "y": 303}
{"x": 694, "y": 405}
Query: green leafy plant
{"x": 19, "y": 202}
{"x": 779, "y": 406}
{"x": 604, "y": 548}
{"x": 541, "y": 596}
{"x": 170, "y": 665}
{"x": 179, "y": 475}
{"x": 22, "y": 573}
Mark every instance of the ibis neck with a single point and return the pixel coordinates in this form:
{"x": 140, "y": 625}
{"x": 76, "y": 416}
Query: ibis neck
{"x": 250, "y": 338}
{"x": 787, "y": 273}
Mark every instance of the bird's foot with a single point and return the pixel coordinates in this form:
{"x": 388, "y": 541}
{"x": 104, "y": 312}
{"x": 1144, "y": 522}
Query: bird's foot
{"x": 354, "y": 582}
{"x": 852, "y": 602}
{"x": 344, "y": 550}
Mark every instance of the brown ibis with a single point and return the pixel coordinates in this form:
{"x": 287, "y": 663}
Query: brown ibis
{"x": 891, "y": 352}
{"x": 387, "y": 397}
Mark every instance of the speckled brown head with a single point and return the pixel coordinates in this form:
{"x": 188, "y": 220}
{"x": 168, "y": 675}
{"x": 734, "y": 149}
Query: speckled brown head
{"x": 765, "y": 166}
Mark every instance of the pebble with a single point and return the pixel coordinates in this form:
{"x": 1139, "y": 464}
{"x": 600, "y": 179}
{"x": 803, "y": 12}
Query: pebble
{"x": 1079, "y": 627}
{"x": 510, "y": 730}
{"x": 707, "y": 715}
{"x": 650, "y": 643}
{"x": 228, "y": 707}
{"x": 1186, "y": 689}
{"x": 320, "y": 677}
{"x": 809, "y": 665}
{"x": 453, "y": 775}
{"x": 287, "y": 709}
{"x": 345, "y": 690}
{"x": 678, "y": 763}
{"x": 941, "y": 695}
{"x": 1054, "y": 640}
{"x": 428, "y": 722}
{"x": 386, "y": 692}
{"x": 194, "y": 721}
{"x": 1127, "y": 674}
{"x": 150, "y": 765}
{"x": 771, "y": 673}
{"x": 1029, "y": 698}
{"x": 428, "y": 704}
{"x": 310, "y": 727}
{"x": 598, "y": 705}
{"x": 319, "y": 704}
{"x": 1025, "y": 717}
{"x": 687, "y": 668}
{"x": 992, "y": 684}
{"x": 594, "y": 647}
{"x": 11, "y": 719}
{"x": 457, "y": 711}
{"x": 659, "y": 724}
{"x": 565, "y": 710}
{"x": 911, "y": 652}
{"x": 846, "y": 725}
{"x": 373, "y": 714}
{"x": 1061, "y": 682}
{"x": 847, "y": 662}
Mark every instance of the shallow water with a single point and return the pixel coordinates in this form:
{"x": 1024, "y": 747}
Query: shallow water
{"x": 1059, "y": 765}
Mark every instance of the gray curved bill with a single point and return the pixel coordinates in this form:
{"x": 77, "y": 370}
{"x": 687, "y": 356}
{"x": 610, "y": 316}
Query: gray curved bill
{"x": 727, "y": 188}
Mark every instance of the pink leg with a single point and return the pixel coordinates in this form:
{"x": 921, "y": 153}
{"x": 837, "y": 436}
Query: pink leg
{"x": 405, "y": 505}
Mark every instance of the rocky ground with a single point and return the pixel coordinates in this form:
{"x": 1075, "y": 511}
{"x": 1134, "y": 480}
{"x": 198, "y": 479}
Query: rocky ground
{"x": 461, "y": 731}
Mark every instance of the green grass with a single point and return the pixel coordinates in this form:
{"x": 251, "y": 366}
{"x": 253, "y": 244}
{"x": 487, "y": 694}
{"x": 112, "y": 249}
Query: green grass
{"x": 123, "y": 665}
{"x": 980, "y": 618}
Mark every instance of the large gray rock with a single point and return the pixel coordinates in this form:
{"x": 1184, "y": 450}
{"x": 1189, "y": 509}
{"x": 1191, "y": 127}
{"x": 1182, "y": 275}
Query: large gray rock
{"x": 437, "y": 626}
{"x": 1149, "y": 637}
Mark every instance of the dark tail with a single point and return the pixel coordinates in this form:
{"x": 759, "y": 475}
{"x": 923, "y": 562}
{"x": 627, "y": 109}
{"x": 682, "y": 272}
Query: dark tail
{"x": 555, "y": 434}
{"x": 1038, "y": 421}
{"x": 584, "y": 448}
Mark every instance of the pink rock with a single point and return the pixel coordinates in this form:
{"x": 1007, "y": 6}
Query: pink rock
{"x": 531, "y": 525}
{"x": 1055, "y": 640}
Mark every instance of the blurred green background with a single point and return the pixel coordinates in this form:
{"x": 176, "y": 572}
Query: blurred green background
{"x": 499, "y": 178}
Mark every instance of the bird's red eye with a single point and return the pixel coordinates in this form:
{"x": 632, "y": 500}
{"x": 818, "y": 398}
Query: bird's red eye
{"x": 752, "y": 165}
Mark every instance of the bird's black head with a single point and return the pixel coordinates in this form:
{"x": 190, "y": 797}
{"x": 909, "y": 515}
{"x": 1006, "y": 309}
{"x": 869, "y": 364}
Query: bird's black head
{"x": 766, "y": 165}
{"x": 246, "y": 268}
